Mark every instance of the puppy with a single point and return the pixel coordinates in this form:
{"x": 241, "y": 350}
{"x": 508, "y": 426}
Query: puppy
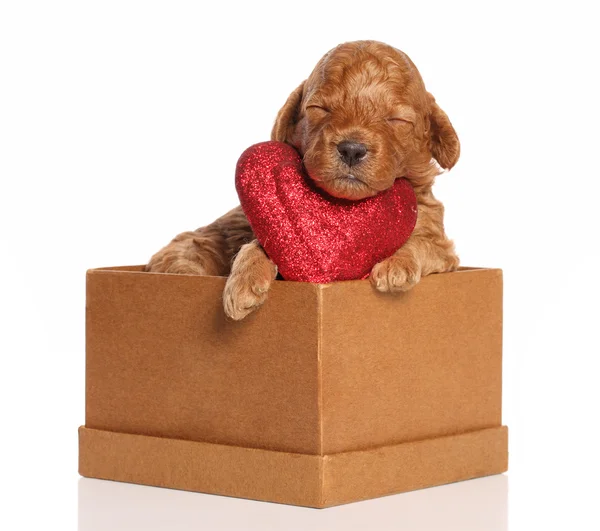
{"x": 362, "y": 119}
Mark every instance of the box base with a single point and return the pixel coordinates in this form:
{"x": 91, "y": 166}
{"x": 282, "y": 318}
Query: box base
{"x": 295, "y": 479}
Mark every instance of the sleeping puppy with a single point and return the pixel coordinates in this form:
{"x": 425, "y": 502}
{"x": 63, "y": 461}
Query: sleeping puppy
{"x": 362, "y": 119}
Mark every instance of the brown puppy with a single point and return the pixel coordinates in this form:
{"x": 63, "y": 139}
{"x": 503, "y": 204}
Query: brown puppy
{"x": 362, "y": 119}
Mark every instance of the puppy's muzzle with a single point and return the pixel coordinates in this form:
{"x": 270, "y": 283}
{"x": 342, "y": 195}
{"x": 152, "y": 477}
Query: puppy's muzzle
{"x": 352, "y": 153}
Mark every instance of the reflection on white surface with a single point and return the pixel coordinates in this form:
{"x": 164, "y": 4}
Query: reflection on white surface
{"x": 476, "y": 505}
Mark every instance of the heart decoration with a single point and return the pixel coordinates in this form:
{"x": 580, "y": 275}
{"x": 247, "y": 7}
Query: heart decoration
{"x": 310, "y": 235}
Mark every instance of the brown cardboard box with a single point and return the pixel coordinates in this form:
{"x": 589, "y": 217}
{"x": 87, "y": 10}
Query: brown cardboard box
{"x": 326, "y": 395}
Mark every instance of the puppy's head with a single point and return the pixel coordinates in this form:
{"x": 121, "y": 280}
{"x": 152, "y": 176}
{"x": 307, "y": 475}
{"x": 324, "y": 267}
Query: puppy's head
{"x": 363, "y": 118}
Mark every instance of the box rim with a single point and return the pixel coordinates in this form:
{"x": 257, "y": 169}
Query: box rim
{"x": 138, "y": 269}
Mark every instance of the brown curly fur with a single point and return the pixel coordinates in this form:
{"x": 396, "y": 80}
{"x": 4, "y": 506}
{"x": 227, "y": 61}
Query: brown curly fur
{"x": 362, "y": 91}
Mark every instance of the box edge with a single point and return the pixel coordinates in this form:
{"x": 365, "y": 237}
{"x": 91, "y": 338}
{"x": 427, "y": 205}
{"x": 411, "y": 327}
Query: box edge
{"x": 499, "y": 436}
{"x": 490, "y": 437}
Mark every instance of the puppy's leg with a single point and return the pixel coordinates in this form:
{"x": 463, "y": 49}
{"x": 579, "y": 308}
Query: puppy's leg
{"x": 427, "y": 251}
{"x": 206, "y": 251}
{"x": 251, "y": 276}
{"x": 193, "y": 253}
{"x": 417, "y": 257}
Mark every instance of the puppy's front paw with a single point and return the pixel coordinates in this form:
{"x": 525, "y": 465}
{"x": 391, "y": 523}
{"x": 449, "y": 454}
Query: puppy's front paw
{"x": 247, "y": 286}
{"x": 395, "y": 274}
{"x": 245, "y": 293}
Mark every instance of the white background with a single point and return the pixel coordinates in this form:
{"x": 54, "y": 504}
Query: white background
{"x": 120, "y": 126}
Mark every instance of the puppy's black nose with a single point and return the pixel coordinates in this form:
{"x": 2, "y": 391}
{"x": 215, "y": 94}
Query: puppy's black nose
{"x": 351, "y": 152}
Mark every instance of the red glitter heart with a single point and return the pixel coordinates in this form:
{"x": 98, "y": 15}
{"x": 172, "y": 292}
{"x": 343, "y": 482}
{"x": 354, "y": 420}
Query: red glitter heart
{"x": 311, "y": 236}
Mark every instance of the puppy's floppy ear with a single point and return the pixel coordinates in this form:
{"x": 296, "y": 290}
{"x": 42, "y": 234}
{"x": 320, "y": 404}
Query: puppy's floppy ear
{"x": 445, "y": 146}
{"x": 287, "y": 117}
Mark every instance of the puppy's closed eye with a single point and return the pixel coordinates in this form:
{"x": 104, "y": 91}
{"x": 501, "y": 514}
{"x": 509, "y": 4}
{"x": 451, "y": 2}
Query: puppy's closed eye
{"x": 402, "y": 115}
{"x": 317, "y": 109}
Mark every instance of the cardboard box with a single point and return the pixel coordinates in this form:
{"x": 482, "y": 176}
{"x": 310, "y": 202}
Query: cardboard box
{"x": 328, "y": 394}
